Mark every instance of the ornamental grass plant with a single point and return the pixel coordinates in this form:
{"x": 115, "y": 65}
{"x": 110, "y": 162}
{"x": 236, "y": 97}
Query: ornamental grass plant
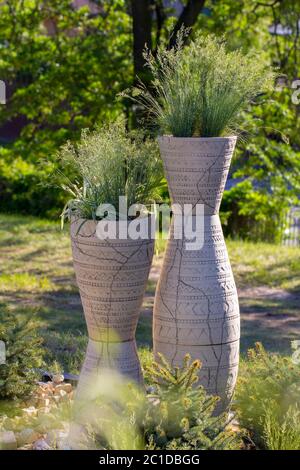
{"x": 108, "y": 163}
{"x": 200, "y": 89}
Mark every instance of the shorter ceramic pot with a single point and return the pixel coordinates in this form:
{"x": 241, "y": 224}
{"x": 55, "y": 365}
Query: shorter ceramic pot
{"x": 111, "y": 275}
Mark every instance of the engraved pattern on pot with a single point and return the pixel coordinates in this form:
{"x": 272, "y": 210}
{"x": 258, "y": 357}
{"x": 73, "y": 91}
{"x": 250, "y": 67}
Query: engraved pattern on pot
{"x": 111, "y": 275}
{"x": 196, "y": 307}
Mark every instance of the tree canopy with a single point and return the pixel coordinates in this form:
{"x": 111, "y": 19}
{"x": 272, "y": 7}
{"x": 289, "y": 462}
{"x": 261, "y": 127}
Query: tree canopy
{"x": 64, "y": 65}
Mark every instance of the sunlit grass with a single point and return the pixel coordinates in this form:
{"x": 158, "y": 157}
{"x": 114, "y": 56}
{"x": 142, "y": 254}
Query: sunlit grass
{"x": 37, "y": 277}
{"x": 25, "y": 282}
{"x": 256, "y": 264}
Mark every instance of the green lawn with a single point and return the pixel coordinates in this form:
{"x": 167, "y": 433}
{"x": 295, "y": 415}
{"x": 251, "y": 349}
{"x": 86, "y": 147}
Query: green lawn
{"x": 256, "y": 264}
{"x": 36, "y": 277}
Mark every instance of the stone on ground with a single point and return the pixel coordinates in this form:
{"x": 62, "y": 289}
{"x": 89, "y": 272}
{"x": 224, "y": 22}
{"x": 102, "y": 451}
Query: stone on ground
{"x": 41, "y": 444}
{"x": 27, "y": 436}
{"x": 8, "y": 440}
{"x": 58, "y": 378}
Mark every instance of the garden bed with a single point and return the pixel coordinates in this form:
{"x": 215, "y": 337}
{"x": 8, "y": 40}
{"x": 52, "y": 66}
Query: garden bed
{"x": 268, "y": 281}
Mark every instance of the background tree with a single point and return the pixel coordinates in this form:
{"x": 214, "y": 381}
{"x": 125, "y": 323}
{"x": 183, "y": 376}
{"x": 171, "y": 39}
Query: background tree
{"x": 64, "y": 66}
{"x": 266, "y": 164}
{"x": 149, "y": 18}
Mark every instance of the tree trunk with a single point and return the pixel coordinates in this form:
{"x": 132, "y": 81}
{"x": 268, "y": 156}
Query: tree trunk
{"x": 187, "y": 18}
{"x": 142, "y": 25}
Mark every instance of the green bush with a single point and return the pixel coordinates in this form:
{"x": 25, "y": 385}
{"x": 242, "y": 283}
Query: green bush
{"x": 183, "y": 415}
{"x": 58, "y": 83}
{"x": 176, "y": 413}
{"x": 268, "y": 399}
{"x": 267, "y": 160}
{"x": 23, "y": 355}
{"x": 282, "y": 432}
{"x": 253, "y": 214}
{"x": 24, "y": 190}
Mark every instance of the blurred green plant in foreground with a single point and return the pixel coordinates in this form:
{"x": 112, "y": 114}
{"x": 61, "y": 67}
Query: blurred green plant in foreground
{"x": 23, "y": 354}
{"x": 176, "y": 414}
{"x": 268, "y": 399}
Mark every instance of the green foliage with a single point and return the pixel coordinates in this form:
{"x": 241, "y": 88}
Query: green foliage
{"x": 268, "y": 163}
{"x": 268, "y": 399}
{"x": 182, "y": 417}
{"x": 199, "y": 90}
{"x": 63, "y": 67}
{"x": 177, "y": 414}
{"x": 66, "y": 80}
{"x": 246, "y": 24}
{"x": 23, "y": 188}
{"x": 23, "y": 355}
{"x": 253, "y": 213}
{"x": 66, "y": 349}
{"x": 282, "y": 433}
{"x": 109, "y": 163}
{"x": 268, "y": 153}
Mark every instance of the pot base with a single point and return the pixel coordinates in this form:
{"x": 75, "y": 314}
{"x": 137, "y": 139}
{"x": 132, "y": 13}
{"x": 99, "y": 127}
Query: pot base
{"x": 104, "y": 360}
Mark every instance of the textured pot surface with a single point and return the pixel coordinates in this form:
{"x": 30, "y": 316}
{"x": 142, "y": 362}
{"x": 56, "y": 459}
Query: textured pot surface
{"x": 196, "y": 307}
{"x": 196, "y": 169}
{"x": 103, "y": 358}
{"x": 111, "y": 275}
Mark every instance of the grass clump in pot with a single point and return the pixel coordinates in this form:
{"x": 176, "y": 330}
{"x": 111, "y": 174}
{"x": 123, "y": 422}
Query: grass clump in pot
{"x": 199, "y": 90}
{"x": 108, "y": 163}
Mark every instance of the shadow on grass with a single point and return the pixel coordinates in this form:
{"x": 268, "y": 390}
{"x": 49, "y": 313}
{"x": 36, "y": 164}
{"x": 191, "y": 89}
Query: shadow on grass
{"x": 273, "y": 340}
{"x": 274, "y": 322}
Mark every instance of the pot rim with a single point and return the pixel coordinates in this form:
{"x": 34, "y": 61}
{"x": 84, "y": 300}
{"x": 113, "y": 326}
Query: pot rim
{"x": 194, "y": 139}
{"x": 75, "y": 219}
{"x": 77, "y": 224}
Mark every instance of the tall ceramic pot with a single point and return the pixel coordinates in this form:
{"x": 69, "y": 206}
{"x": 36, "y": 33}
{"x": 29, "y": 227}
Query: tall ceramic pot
{"x": 196, "y": 307}
{"x": 111, "y": 275}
